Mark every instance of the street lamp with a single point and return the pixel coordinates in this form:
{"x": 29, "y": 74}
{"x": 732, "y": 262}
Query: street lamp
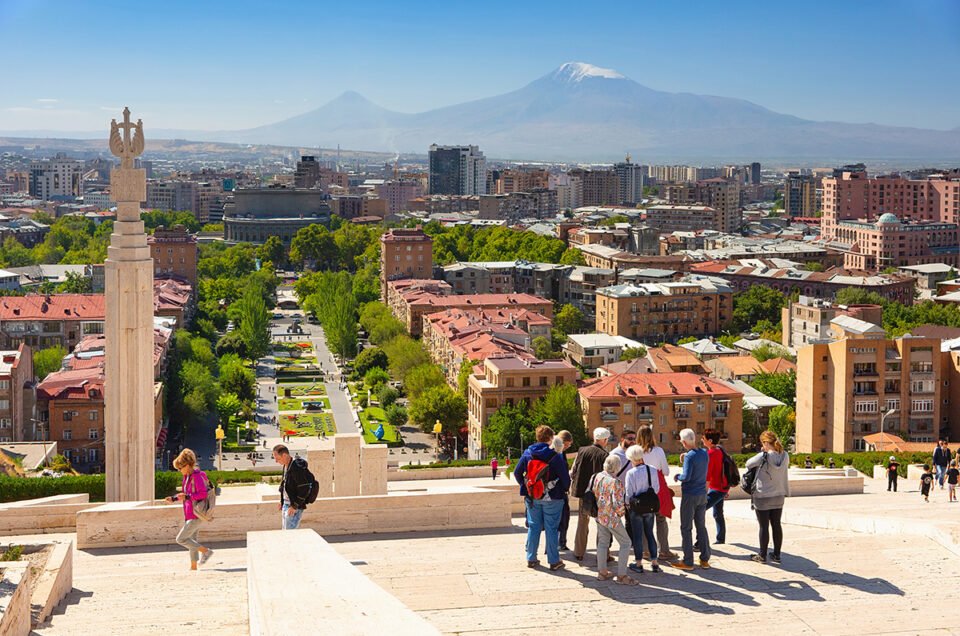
{"x": 220, "y": 434}
{"x": 883, "y": 419}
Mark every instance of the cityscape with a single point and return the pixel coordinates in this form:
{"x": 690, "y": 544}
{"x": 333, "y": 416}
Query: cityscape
{"x": 419, "y": 301}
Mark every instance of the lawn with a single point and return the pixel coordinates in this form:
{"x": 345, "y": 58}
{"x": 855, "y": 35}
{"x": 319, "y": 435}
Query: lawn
{"x": 296, "y": 404}
{"x": 308, "y": 425}
{"x": 371, "y": 418}
{"x": 230, "y": 439}
{"x": 303, "y": 390}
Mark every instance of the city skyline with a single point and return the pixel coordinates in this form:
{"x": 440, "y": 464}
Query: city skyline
{"x": 232, "y": 66}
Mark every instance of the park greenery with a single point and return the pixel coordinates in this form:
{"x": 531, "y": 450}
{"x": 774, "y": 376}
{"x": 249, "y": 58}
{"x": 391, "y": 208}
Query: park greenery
{"x": 513, "y": 426}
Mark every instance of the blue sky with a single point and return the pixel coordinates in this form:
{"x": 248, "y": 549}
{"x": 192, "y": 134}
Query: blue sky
{"x": 71, "y": 65}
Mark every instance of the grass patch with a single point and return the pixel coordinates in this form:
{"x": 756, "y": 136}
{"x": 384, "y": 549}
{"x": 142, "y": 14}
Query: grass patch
{"x": 308, "y": 425}
{"x": 237, "y": 423}
{"x": 391, "y": 436}
{"x": 297, "y": 404}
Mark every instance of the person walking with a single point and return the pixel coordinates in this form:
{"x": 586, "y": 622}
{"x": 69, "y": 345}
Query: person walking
{"x": 294, "y": 487}
{"x": 941, "y": 459}
{"x": 193, "y": 488}
{"x": 543, "y": 478}
{"x": 654, "y": 456}
{"x": 772, "y": 486}
{"x": 693, "y": 500}
{"x": 892, "y": 467}
{"x": 717, "y": 486}
{"x": 588, "y": 463}
{"x": 953, "y": 475}
{"x": 641, "y": 478}
{"x": 610, "y": 507}
{"x": 493, "y": 468}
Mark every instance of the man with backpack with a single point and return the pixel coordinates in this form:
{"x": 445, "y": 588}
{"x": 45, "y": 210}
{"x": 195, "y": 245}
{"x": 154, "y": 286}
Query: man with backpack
{"x": 544, "y": 480}
{"x": 297, "y": 487}
{"x": 588, "y": 463}
{"x": 719, "y": 479}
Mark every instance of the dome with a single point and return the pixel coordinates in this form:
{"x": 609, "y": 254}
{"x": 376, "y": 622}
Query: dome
{"x": 887, "y": 217}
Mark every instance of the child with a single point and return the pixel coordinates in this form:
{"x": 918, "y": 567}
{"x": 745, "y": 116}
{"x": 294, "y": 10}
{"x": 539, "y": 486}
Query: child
{"x": 926, "y": 479}
{"x": 952, "y": 476}
{"x": 892, "y": 467}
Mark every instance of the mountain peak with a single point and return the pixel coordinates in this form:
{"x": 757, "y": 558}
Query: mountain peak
{"x": 578, "y": 71}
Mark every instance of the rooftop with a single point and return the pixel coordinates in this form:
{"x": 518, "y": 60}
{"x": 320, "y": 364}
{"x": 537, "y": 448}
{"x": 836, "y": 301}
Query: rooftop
{"x": 708, "y": 346}
{"x": 53, "y": 307}
{"x": 656, "y": 384}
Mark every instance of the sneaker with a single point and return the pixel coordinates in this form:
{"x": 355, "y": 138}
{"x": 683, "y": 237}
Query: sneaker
{"x": 564, "y": 548}
{"x": 636, "y": 567}
{"x": 756, "y": 558}
{"x": 704, "y": 565}
{"x": 680, "y": 565}
{"x": 775, "y": 558}
{"x": 668, "y": 556}
{"x": 559, "y": 565}
{"x": 532, "y": 564}
{"x": 655, "y": 568}
{"x": 205, "y": 556}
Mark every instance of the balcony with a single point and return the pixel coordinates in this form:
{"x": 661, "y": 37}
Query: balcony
{"x": 609, "y": 417}
{"x": 645, "y": 417}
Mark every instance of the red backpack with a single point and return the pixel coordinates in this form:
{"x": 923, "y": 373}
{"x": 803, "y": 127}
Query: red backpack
{"x": 537, "y": 478}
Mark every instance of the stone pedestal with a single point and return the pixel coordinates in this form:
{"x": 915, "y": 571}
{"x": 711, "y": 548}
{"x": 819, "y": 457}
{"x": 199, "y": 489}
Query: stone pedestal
{"x": 373, "y": 469}
{"x": 346, "y": 475}
{"x": 321, "y": 465}
{"x": 130, "y": 438}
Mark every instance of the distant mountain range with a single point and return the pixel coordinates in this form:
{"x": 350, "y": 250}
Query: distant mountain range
{"x": 582, "y": 112}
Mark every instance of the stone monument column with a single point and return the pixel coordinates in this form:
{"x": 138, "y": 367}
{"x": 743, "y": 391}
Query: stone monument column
{"x": 130, "y": 438}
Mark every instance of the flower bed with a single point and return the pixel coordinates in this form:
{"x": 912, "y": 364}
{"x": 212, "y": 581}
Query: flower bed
{"x": 302, "y": 390}
{"x": 307, "y": 424}
{"x": 302, "y": 404}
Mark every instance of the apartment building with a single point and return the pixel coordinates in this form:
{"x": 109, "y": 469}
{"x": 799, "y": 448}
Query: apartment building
{"x": 537, "y": 203}
{"x": 719, "y": 194}
{"x": 509, "y": 381}
{"x": 405, "y": 253}
{"x": 598, "y": 187}
{"x": 800, "y": 195}
{"x": 17, "y": 395}
{"x": 661, "y": 312}
{"x": 667, "y": 402}
{"x": 57, "y": 178}
{"x": 398, "y": 193}
{"x": 42, "y": 321}
{"x": 684, "y": 218}
{"x": 457, "y": 170}
{"x": 589, "y": 351}
{"x": 175, "y": 252}
{"x": 807, "y": 321}
{"x": 521, "y": 180}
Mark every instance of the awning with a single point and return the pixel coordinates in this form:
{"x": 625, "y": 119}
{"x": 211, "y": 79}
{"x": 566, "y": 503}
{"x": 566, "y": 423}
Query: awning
{"x": 161, "y": 438}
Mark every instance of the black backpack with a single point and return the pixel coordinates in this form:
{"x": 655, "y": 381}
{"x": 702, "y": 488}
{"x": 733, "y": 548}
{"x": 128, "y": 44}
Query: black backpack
{"x": 730, "y": 470}
{"x": 646, "y": 502}
{"x": 314, "y": 487}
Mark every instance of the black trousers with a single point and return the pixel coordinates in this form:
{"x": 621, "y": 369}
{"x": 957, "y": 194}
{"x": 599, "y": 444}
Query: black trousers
{"x": 892, "y": 480}
{"x": 770, "y": 519}
{"x": 564, "y": 520}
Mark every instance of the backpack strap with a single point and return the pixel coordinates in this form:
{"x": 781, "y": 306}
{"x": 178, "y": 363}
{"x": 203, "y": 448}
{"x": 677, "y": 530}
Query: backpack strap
{"x": 624, "y": 469}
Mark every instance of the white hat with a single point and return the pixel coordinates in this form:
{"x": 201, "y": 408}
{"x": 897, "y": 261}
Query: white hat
{"x": 601, "y": 433}
{"x": 892, "y": 458}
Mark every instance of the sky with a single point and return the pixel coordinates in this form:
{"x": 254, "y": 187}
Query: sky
{"x": 212, "y": 65}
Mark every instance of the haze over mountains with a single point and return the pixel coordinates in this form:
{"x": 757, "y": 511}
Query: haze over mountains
{"x": 585, "y": 113}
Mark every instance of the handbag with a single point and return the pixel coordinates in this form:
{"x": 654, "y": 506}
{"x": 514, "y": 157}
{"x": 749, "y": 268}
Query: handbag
{"x": 647, "y": 502}
{"x": 749, "y": 480}
{"x": 203, "y": 508}
{"x": 588, "y": 501}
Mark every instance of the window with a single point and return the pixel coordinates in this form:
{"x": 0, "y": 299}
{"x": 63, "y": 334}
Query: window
{"x": 5, "y": 422}
{"x": 93, "y": 433}
{"x": 92, "y": 416}
{"x": 93, "y": 455}
{"x": 67, "y": 434}
{"x": 893, "y": 404}
{"x": 865, "y": 407}
{"x": 921, "y": 406}
{"x": 543, "y": 380}
{"x": 526, "y": 381}
{"x": 4, "y": 384}
{"x": 509, "y": 382}
{"x": 67, "y": 416}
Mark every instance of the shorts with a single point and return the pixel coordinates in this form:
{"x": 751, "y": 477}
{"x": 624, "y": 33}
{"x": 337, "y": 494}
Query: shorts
{"x": 953, "y": 488}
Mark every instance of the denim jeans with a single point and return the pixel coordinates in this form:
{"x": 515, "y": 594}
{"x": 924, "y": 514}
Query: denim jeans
{"x": 641, "y": 527}
{"x": 543, "y": 515}
{"x": 693, "y": 510}
{"x": 291, "y": 522}
{"x": 941, "y": 474}
{"x": 715, "y": 500}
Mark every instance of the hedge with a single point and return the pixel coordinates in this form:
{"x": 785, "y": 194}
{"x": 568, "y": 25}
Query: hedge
{"x": 166, "y": 483}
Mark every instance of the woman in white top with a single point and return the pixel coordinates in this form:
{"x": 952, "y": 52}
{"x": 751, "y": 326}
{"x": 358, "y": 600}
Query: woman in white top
{"x": 639, "y": 480}
{"x": 655, "y": 457}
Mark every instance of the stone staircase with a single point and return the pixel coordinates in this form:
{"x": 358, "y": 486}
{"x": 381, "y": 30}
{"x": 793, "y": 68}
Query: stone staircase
{"x": 151, "y": 591}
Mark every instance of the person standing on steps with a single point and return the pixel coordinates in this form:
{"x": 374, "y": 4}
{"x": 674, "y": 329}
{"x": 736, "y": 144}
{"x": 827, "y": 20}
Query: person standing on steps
{"x": 941, "y": 459}
{"x": 192, "y": 489}
{"x": 294, "y": 487}
{"x": 770, "y": 489}
{"x": 493, "y": 468}
{"x": 588, "y": 463}
{"x": 892, "y": 467}
{"x": 543, "y": 478}
{"x": 567, "y": 438}
{"x": 717, "y": 486}
{"x": 653, "y": 455}
{"x": 693, "y": 500}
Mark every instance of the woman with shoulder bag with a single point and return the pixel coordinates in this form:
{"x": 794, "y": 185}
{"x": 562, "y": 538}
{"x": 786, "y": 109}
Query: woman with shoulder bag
{"x": 642, "y": 486}
{"x": 610, "y": 507}
{"x": 769, "y": 489}
{"x": 193, "y": 489}
{"x": 654, "y": 457}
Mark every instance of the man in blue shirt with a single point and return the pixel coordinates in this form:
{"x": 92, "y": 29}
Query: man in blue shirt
{"x": 693, "y": 500}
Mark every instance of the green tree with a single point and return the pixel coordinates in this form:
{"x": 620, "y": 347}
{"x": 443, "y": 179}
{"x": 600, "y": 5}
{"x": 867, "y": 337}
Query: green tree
{"x": 228, "y": 405}
{"x": 272, "y": 250}
{"x": 14, "y": 254}
{"x": 405, "y": 353}
{"x": 387, "y": 395}
{"x": 421, "y": 378}
{"x": 770, "y": 351}
{"x": 379, "y": 323}
{"x": 75, "y": 284}
{"x": 813, "y": 266}
{"x": 202, "y": 352}
{"x": 369, "y": 358}
{"x": 755, "y": 304}
{"x": 859, "y": 296}
{"x": 234, "y": 343}
{"x": 687, "y": 340}
{"x": 375, "y": 378}
{"x": 46, "y": 361}
{"x": 509, "y": 427}
{"x": 396, "y": 415}
{"x": 236, "y": 378}
{"x": 313, "y": 243}
{"x": 780, "y": 386}
{"x": 463, "y": 375}
{"x": 543, "y": 349}
{"x": 568, "y": 320}
{"x": 572, "y": 256}
{"x": 782, "y": 421}
{"x": 560, "y": 410}
{"x": 254, "y": 324}
{"x": 438, "y": 403}
{"x": 632, "y": 353}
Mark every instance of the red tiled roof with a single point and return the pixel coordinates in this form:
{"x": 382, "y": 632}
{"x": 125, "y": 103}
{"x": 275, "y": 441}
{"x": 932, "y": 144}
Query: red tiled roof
{"x": 479, "y": 346}
{"x": 53, "y": 307}
{"x": 778, "y": 365}
{"x": 71, "y": 384}
{"x": 656, "y": 384}
{"x": 741, "y": 365}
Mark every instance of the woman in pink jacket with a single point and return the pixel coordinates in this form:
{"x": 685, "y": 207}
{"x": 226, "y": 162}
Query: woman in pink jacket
{"x": 194, "y": 488}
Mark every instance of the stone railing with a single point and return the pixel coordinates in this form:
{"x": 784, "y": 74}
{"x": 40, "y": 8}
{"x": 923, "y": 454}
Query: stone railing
{"x": 42, "y": 516}
{"x": 341, "y": 599}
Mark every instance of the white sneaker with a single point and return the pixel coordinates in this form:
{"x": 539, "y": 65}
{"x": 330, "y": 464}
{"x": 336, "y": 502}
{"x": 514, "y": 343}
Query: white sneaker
{"x": 205, "y": 556}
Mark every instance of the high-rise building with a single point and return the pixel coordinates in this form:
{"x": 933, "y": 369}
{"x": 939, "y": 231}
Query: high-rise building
{"x": 600, "y": 187}
{"x": 520, "y": 180}
{"x": 799, "y": 195}
{"x": 60, "y": 177}
{"x": 632, "y": 178}
{"x": 719, "y": 194}
{"x": 398, "y": 193}
{"x": 308, "y": 172}
{"x": 457, "y": 170}
{"x": 404, "y": 253}
{"x": 755, "y": 173}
